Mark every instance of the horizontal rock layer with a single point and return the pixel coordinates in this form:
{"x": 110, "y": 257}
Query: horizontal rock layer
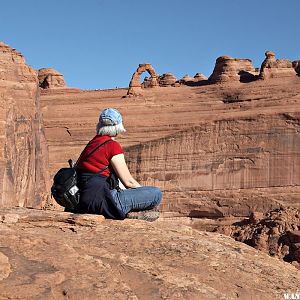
{"x": 225, "y": 154}
{"x": 250, "y": 153}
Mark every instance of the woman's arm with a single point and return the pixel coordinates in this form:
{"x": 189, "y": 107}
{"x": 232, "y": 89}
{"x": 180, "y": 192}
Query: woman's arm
{"x": 119, "y": 164}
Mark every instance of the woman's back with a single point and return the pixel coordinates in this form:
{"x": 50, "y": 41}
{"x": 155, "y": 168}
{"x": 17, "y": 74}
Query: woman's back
{"x": 94, "y": 158}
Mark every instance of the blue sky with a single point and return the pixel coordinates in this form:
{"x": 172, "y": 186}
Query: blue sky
{"x": 98, "y": 44}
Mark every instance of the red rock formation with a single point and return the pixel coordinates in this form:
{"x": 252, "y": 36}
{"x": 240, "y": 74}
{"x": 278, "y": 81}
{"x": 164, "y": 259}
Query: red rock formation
{"x": 199, "y": 77}
{"x": 167, "y": 79}
{"x": 277, "y": 233}
{"x": 23, "y": 156}
{"x": 50, "y": 78}
{"x": 186, "y": 79}
{"x": 135, "y": 85}
{"x": 228, "y": 69}
{"x": 198, "y": 80}
{"x": 276, "y": 68}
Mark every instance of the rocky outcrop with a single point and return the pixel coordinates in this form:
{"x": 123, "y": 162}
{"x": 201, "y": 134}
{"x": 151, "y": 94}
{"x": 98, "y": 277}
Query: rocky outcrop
{"x": 277, "y": 233}
{"x": 199, "y": 77}
{"x": 52, "y": 255}
{"x": 276, "y": 68}
{"x": 167, "y": 79}
{"x": 13, "y": 67}
{"x": 228, "y": 69}
{"x": 296, "y": 65}
{"x": 23, "y": 152}
{"x": 186, "y": 80}
{"x": 198, "y": 80}
{"x": 135, "y": 85}
{"x": 50, "y": 78}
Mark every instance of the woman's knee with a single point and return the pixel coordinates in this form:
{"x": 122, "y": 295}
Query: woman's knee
{"x": 157, "y": 195}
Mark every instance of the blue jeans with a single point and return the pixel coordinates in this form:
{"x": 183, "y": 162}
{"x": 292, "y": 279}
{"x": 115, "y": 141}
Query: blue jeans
{"x": 141, "y": 198}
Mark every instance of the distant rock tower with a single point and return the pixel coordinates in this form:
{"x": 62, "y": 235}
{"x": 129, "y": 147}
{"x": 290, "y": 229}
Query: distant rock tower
{"x": 135, "y": 85}
{"x": 275, "y": 68}
{"x": 50, "y": 78}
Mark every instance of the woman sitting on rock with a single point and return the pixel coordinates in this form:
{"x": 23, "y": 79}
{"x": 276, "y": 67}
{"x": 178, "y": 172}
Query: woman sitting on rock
{"x": 100, "y": 165}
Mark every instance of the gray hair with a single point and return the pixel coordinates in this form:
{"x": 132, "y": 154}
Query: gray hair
{"x": 111, "y": 130}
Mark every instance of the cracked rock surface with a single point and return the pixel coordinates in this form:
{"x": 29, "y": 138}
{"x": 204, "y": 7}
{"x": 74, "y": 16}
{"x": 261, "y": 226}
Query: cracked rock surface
{"x": 56, "y": 255}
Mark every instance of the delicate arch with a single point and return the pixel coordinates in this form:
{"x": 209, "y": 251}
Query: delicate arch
{"x": 135, "y": 84}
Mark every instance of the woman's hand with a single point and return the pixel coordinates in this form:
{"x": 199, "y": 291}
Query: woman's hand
{"x": 119, "y": 164}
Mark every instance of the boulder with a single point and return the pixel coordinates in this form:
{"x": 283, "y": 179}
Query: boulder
{"x": 228, "y": 69}
{"x": 50, "y": 78}
{"x": 167, "y": 79}
{"x": 276, "y": 68}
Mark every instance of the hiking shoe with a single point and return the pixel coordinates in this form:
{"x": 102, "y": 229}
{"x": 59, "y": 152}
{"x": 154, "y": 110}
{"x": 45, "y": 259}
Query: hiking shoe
{"x": 146, "y": 215}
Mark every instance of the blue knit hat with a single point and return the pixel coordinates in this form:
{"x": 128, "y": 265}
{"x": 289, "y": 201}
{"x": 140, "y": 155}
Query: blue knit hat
{"x": 110, "y": 117}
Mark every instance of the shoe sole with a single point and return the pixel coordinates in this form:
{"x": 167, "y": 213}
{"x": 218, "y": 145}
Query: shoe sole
{"x": 146, "y": 216}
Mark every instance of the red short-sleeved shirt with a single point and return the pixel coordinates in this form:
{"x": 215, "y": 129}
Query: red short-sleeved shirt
{"x": 101, "y": 157}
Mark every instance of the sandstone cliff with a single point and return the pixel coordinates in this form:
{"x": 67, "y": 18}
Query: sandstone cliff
{"x": 23, "y": 153}
{"x": 222, "y": 155}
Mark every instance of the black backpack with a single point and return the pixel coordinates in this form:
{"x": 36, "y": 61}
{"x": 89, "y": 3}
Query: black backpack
{"x": 65, "y": 188}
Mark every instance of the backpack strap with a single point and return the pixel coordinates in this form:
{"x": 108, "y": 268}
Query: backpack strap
{"x": 95, "y": 149}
